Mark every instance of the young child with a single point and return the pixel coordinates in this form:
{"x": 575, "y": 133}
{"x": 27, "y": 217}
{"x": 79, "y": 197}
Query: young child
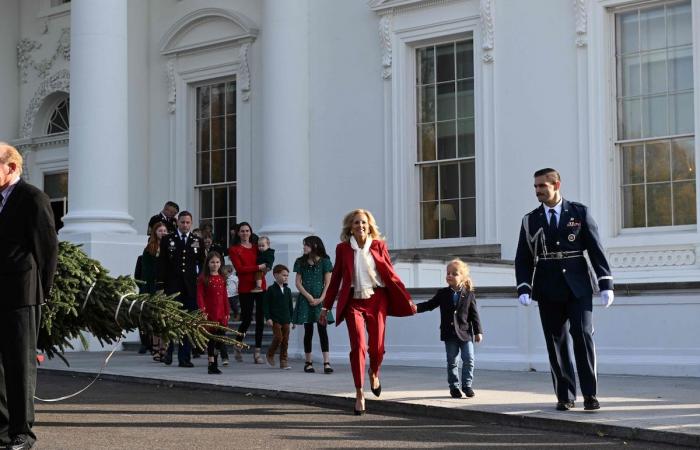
{"x": 459, "y": 324}
{"x": 277, "y": 307}
{"x": 232, "y": 290}
{"x": 212, "y": 300}
{"x": 266, "y": 255}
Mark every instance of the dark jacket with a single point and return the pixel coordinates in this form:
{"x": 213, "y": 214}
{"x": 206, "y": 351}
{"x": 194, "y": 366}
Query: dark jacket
{"x": 170, "y": 224}
{"x": 179, "y": 264}
{"x": 278, "y": 305}
{"x": 576, "y": 232}
{"x": 461, "y": 321}
{"x": 267, "y": 257}
{"x": 28, "y": 248}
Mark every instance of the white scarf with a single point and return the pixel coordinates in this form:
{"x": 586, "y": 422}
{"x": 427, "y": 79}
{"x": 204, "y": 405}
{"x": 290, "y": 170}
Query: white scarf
{"x": 365, "y": 275}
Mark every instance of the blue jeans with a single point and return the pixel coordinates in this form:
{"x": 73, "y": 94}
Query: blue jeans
{"x": 453, "y": 347}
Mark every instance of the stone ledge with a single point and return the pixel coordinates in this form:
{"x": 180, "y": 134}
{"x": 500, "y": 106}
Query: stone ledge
{"x": 486, "y": 253}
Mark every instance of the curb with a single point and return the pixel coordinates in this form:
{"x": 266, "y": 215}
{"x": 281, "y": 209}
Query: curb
{"x": 436, "y": 412}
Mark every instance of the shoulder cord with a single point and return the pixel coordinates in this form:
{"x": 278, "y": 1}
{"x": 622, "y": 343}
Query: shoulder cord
{"x": 534, "y": 243}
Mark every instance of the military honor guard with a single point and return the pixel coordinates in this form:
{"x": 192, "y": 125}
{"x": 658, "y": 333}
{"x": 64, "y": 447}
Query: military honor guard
{"x": 167, "y": 216}
{"x": 181, "y": 259}
{"x": 551, "y": 269}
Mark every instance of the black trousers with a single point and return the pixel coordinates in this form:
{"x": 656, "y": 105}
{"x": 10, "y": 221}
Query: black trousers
{"x": 252, "y": 301}
{"x": 562, "y": 322}
{"x": 19, "y": 329}
{"x": 309, "y": 335}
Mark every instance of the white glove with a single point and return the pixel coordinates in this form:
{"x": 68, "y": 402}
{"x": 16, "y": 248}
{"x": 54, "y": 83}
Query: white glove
{"x": 606, "y": 298}
{"x": 524, "y": 299}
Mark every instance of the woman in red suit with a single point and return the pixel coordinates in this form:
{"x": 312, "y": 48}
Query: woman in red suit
{"x": 370, "y": 291}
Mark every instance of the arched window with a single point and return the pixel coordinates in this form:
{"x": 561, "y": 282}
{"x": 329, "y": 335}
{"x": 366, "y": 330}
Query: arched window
{"x": 58, "y": 122}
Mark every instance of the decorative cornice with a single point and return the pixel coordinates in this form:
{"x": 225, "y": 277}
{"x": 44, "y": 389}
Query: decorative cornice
{"x": 385, "y": 30}
{"x": 25, "y": 60}
{"x": 581, "y": 23}
{"x": 172, "y": 86}
{"x": 243, "y": 80}
{"x": 383, "y": 7}
{"x": 58, "y": 82}
{"x": 653, "y": 258}
{"x": 487, "y": 29}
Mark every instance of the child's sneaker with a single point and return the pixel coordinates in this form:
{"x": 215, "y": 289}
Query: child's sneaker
{"x": 468, "y": 391}
{"x": 237, "y": 355}
{"x": 213, "y": 369}
{"x": 284, "y": 365}
{"x": 270, "y": 360}
{"x": 455, "y": 393}
{"x": 224, "y": 362}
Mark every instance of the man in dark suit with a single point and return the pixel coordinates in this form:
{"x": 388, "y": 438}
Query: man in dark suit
{"x": 551, "y": 268}
{"x": 168, "y": 216}
{"x": 28, "y": 251}
{"x": 180, "y": 260}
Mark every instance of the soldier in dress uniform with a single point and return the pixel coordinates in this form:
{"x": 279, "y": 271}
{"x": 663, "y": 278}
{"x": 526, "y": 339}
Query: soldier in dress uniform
{"x": 551, "y": 269}
{"x": 181, "y": 259}
{"x": 168, "y": 216}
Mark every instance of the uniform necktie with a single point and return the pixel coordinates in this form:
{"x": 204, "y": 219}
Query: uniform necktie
{"x": 552, "y": 223}
{"x": 183, "y": 238}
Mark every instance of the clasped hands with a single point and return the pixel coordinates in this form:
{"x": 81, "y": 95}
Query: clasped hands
{"x": 606, "y": 298}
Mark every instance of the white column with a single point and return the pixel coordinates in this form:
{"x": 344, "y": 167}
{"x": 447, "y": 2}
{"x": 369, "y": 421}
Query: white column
{"x": 99, "y": 167}
{"x": 285, "y": 138}
{"x": 9, "y": 72}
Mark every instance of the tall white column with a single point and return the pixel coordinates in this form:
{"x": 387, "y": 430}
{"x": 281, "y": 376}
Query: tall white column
{"x": 285, "y": 137}
{"x": 99, "y": 167}
{"x": 9, "y": 72}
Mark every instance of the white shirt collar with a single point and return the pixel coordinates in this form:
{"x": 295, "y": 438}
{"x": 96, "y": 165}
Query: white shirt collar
{"x": 556, "y": 208}
{"x": 7, "y": 191}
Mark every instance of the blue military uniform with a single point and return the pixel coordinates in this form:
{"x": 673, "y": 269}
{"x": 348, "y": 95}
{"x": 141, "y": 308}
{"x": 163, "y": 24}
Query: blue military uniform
{"x": 550, "y": 266}
{"x": 179, "y": 265}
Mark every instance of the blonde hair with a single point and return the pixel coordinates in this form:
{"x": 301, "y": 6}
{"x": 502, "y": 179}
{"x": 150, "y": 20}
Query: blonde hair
{"x": 9, "y": 154}
{"x": 463, "y": 270}
{"x": 347, "y": 225}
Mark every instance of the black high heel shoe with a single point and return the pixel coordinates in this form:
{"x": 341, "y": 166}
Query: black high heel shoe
{"x": 376, "y": 391}
{"x": 359, "y": 412}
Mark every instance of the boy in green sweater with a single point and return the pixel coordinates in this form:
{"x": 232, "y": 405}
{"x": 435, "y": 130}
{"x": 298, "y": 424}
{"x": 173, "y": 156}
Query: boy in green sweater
{"x": 278, "y": 307}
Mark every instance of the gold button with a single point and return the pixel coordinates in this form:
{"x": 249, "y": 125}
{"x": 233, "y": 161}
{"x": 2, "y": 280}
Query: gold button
{"x": 563, "y": 270}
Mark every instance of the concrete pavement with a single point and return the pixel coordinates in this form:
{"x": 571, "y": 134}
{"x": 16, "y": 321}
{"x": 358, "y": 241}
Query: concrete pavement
{"x": 656, "y": 409}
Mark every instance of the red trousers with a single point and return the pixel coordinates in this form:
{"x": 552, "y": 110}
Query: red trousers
{"x": 369, "y": 314}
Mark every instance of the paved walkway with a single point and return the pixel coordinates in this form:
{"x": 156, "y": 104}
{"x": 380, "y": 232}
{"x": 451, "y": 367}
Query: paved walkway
{"x": 662, "y": 409}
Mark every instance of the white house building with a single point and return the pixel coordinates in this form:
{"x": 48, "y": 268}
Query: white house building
{"x": 433, "y": 114}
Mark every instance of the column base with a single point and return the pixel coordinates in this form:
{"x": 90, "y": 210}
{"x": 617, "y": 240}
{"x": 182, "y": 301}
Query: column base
{"x": 97, "y": 222}
{"x": 287, "y": 242}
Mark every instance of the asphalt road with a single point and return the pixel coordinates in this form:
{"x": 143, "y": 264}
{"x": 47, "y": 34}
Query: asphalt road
{"x": 114, "y": 415}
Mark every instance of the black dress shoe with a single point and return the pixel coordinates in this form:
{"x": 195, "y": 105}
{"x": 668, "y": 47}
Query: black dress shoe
{"x": 590, "y": 403}
{"x": 468, "y": 391}
{"x": 359, "y": 412}
{"x": 564, "y": 406}
{"x": 455, "y": 393}
{"x": 186, "y": 364}
{"x": 21, "y": 442}
{"x": 167, "y": 359}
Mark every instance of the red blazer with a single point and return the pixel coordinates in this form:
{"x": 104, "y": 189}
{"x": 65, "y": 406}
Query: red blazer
{"x": 243, "y": 260}
{"x": 400, "y": 303}
{"x": 213, "y": 299}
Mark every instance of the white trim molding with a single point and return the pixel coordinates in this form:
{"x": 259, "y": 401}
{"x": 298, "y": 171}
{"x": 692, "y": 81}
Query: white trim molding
{"x": 385, "y": 30}
{"x": 581, "y": 23}
{"x": 487, "y": 29}
{"x": 58, "y": 82}
{"x": 652, "y": 258}
{"x": 398, "y": 6}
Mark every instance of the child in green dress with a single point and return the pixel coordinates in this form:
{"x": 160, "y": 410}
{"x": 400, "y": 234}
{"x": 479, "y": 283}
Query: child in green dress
{"x": 313, "y": 275}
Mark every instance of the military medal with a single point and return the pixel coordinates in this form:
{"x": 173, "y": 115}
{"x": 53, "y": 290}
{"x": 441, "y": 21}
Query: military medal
{"x": 572, "y": 237}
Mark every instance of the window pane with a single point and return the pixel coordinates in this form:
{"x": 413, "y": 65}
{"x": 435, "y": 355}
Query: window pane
{"x": 231, "y": 97}
{"x": 632, "y": 164}
{"x": 684, "y": 205}
{"x": 203, "y": 134}
{"x": 628, "y": 32}
{"x": 429, "y": 183}
{"x": 56, "y": 185}
{"x": 205, "y": 205}
{"x": 426, "y": 103}
{"x": 445, "y": 101}
{"x": 231, "y": 164}
{"x": 681, "y": 113}
{"x": 652, "y": 28}
{"x": 449, "y": 181}
{"x": 426, "y": 142}
{"x": 449, "y": 219}
{"x": 217, "y": 133}
{"x": 468, "y": 212}
{"x": 425, "y": 65}
{"x": 220, "y": 202}
{"x": 655, "y": 116}
{"x": 203, "y": 101}
{"x": 633, "y": 215}
{"x": 658, "y": 159}
{"x": 231, "y": 131}
{"x": 446, "y": 140}
{"x": 679, "y": 27}
{"x": 465, "y": 59}
{"x": 683, "y": 159}
{"x": 465, "y": 139}
{"x": 680, "y": 69}
{"x": 659, "y": 205}
{"x": 465, "y": 98}
{"x": 445, "y": 57}
{"x": 467, "y": 179}
{"x": 631, "y": 123}
{"x": 654, "y": 72}
{"x": 217, "y": 166}
{"x": 232, "y": 201}
{"x": 220, "y": 231}
{"x": 429, "y": 220}
{"x": 218, "y": 99}
{"x": 204, "y": 168}
{"x": 631, "y": 76}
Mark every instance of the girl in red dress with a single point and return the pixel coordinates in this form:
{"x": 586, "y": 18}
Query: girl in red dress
{"x": 212, "y": 299}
